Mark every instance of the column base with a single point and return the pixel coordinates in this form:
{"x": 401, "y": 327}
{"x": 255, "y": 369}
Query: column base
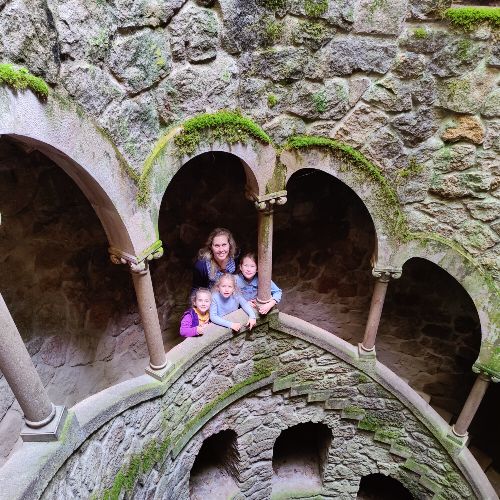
{"x": 460, "y": 440}
{"x": 48, "y": 432}
{"x": 366, "y": 353}
{"x": 160, "y": 374}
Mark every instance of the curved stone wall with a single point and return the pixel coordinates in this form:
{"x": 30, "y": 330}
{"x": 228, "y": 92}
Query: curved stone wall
{"x": 141, "y": 437}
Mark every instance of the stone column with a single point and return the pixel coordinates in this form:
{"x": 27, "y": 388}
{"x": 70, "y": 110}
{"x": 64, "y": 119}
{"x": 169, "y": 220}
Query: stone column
{"x": 141, "y": 277}
{"x": 383, "y": 277}
{"x": 265, "y": 206}
{"x": 18, "y": 370}
{"x": 471, "y": 405}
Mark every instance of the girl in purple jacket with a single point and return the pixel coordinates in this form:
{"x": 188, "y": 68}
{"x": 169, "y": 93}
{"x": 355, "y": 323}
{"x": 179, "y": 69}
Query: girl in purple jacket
{"x": 195, "y": 320}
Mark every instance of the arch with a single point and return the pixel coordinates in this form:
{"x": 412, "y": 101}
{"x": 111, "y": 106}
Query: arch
{"x": 257, "y": 159}
{"x": 378, "y": 198}
{"x": 75, "y": 144}
{"x": 379, "y": 487}
{"x": 481, "y": 288}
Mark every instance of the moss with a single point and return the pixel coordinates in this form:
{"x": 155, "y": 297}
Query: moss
{"x": 315, "y": 8}
{"x": 413, "y": 168}
{"x": 469, "y": 18}
{"x": 21, "y": 78}
{"x": 313, "y": 30}
{"x": 353, "y": 411}
{"x": 464, "y": 49}
{"x": 389, "y": 206}
{"x": 278, "y": 180}
{"x": 420, "y": 33}
{"x": 489, "y": 360}
{"x": 272, "y": 100}
{"x": 225, "y": 126}
{"x": 273, "y": 4}
{"x": 376, "y": 5}
{"x": 273, "y": 31}
{"x": 457, "y": 88}
{"x": 319, "y": 101}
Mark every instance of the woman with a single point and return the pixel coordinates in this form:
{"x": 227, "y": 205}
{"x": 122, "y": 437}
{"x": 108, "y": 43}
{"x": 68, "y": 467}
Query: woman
{"x": 216, "y": 258}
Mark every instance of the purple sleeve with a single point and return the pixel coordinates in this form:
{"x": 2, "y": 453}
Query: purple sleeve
{"x": 187, "y": 330}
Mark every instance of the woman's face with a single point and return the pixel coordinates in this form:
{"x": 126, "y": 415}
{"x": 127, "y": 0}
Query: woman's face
{"x": 220, "y": 248}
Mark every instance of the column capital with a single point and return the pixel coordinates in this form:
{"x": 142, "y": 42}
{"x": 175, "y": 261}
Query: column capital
{"x": 267, "y": 202}
{"x": 485, "y": 374}
{"x": 387, "y": 274}
{"x": 136, "y": 264}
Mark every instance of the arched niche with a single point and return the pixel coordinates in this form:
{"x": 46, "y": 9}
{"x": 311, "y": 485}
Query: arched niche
{"x": 76, "y": 144}
{"x": 382, "y": 487}
{"x": 216, "y": 467}
{"x": 323, "y": 243}
{"x": 482, "y": 289}
{"x": 300, "y": 455}
{"x": 257, "y": 159}
{"x": 366, "y": 188}
{"x": 430, "y": 334}
{"x": 207, "y": 192}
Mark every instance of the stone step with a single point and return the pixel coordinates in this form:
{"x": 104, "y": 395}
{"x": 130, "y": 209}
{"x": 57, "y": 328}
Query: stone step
{"x": 483, "y": 459}
{"x": 318, "y": 396}
{"x": 494, "y": 478}
{"x": 426, "y": 397}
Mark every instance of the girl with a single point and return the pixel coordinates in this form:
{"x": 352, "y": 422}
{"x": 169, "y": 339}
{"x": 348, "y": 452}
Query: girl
{"x": 215, "y": 258}
{"x": 247, "y": 282}
{"x": 226, "y": 300}
{"x": 195, "y": 319}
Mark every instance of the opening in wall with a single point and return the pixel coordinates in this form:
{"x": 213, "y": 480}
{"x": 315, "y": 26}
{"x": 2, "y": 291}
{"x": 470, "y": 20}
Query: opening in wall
{"x": 215, "y": 469}
{"x": 380, "y": 487}
{"x": 299, "y": 456}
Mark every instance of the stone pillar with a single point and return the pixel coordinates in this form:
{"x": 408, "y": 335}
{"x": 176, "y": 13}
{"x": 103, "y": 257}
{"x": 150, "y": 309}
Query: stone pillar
{"x": 471, "y": 405}
{"x": 141, "y": 277}
{"x": 383, "y": 277}
{"x": 18, "y": 370}
{"x": 265, "y": 206}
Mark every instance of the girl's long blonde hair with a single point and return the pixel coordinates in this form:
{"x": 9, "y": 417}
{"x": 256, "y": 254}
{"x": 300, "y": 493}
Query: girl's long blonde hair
{"x": 205, "y": 253}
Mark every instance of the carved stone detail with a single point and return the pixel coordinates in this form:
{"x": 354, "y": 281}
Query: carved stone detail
{"x": 268, "y": 201}
{"x": 387, "y": 274}
{"x": 135, "y": 264}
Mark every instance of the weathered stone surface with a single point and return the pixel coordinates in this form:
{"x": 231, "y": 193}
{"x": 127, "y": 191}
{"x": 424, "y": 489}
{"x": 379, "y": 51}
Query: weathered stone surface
{"x": 194, "y": 35}
{"x": 424, "y": 90}
{"x": 390, "y": 95}
{"x": 379, "y": 18}
{"x": 93, "y": 88}
{"x": 476, "y": 237}
{"x": 461, "y": 184}
{"x": 361, "y": 124}
{"x": 485, "y": 210}
{"x": 194, "y": 89}
{"x": 455, "y": 157}
{"x": 140, "y": 60}
{"x": 409, "y": 65}
{"x": 425, "y": 41}
{"x": 416, "y": 127}
{"x": 336, "y": 13}
{"x": 468, "y": 128}
{"x": 358, "y": 54}
{"x": 131, "y": 13}
{"x": 27, "y": 38}
{"x": 494, "y": 59}
{"x": 427, "y": 9}
{"x": 285, "y": 126}
{"x": 456, "y": 58}
{"x": 388, "y": 148}
{"x": 312, "y": 34}
{"x": 491, "y": 106}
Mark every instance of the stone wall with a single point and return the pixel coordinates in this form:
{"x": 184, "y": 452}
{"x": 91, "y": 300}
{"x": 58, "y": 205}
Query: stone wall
{"x": 259, "y": 384}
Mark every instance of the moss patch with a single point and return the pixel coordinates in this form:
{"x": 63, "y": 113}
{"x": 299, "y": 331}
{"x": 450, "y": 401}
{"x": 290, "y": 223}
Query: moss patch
{"x": 273, "y": 4}
{"x": 273, "y": 31}
{"x": 469, "y": 18}
{"x": 21, "y": 78}
{"x": 315, "y": 8}
{"x": 420, "y": 33}
{"x": 388, "y": 204}
{"x": 272, "y": 100}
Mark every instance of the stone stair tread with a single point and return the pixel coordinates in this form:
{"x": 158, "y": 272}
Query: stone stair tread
{"x": 444, "y": 414}
{"x": 426, "y": 397}
{"x": 483, "y": 459}
{"x": 318, "y": 396}
{"x": 335, "y": 404}
{"x": 493, "y": 476}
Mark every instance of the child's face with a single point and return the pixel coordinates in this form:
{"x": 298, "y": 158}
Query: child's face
{"x": 248, "y": 268}
{"x": 226, "y": 287}
{"x": 202, "y": 302}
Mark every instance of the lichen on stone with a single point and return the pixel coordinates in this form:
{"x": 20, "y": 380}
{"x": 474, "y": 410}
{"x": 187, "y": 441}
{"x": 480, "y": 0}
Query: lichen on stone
{"x": 21, "y": 78}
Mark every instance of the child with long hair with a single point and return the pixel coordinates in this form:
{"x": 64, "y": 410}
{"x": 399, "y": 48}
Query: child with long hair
{"x": 226, "y": 299}
{"x": 195, "y": 319}
{"x": 247, "y": 282}
{"x": 215, "y": 258}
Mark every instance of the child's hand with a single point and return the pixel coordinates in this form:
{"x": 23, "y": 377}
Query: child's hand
{"x": 236, "y": 327}
{"x": 200, "y": 330}
{"x": 253, "y": 303}
{"x": 251, "y": 323}
{"x": 265, "y": 308}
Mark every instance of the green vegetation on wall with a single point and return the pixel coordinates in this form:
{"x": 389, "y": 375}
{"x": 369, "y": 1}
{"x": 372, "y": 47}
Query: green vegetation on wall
{"x": 389, "y": 207}
{"x": 469, "y": 18}
{"x": 315, "y": 8}
{"x": 21, "y": 78}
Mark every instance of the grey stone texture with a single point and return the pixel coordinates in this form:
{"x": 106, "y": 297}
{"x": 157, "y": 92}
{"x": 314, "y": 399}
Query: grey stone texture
{"x": 309, "y": 385}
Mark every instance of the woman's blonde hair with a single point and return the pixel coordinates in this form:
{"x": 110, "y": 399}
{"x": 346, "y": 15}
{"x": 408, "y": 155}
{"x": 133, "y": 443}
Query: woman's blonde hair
{"x": 205, "y": 253}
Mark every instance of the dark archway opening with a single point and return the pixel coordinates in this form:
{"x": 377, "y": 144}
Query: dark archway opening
{"x": 74, "y": 309}
{"x": 215, "y": 470}
{"x": 380, "y": 487}
{"x": 299, "y": 457}
{"x": 323, "y": 241}
{"x": 207, "y": 192}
